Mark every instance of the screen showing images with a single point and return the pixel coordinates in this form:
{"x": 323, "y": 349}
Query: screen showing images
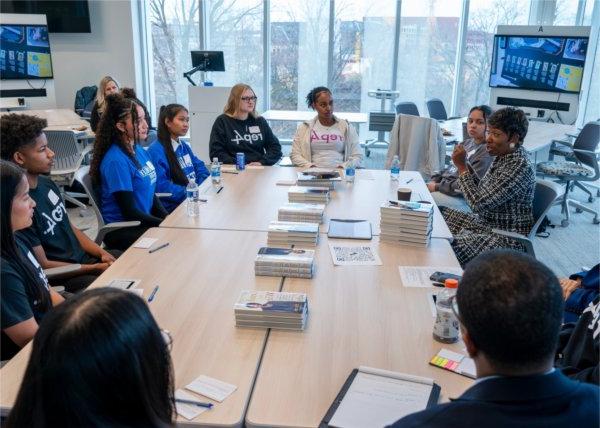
{"x": 538, "y": 63}
{"x": 25, "y": 52}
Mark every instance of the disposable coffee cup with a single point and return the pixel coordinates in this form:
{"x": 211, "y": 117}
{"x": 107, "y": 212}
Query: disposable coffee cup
{"x": 404, "y": 193}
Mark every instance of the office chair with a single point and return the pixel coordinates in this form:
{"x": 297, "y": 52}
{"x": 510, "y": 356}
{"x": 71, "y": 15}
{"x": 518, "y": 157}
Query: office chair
{"x": 544, "y": 196}
{"x": 584, "y": 169}
{"x": 381, "y": 122}
{"x": 407, "y": 107}
{"x": 84, "y": 101}
{"x": 436, "y": 109}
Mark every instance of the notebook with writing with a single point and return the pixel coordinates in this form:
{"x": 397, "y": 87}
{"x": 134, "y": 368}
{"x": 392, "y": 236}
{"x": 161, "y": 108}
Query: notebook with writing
{"x": 375, "y": 397}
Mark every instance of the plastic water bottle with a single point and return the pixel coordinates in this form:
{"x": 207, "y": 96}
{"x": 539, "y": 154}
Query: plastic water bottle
{"x": 192, "y": 199}
{"x": 395, "y": 168}
{"x": 350, "y": 171}
{"x": 215, "y": 171}
{"x": 445, "y": 329}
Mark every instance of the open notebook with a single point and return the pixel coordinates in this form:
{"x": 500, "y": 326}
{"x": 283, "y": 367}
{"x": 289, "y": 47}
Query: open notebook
{"x": 376, "y": 398}
{"x": 349, "y": 229}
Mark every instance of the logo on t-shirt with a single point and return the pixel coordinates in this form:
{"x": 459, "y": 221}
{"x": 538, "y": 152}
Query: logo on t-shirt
{"x": 595, "y": 324}
{"x": 325, "y": 137}
{"x": 149, "y": 171}
{"x": 185, "y": 161}
{"x": 250, "y": 138}
{"x": 56, "y": 215}
{"x": 39, "y": 269}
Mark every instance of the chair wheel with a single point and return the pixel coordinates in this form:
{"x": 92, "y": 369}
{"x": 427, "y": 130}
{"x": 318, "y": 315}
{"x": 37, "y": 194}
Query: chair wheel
{"x": 598, "y": 193}
{"x": 578, "y": 210}
{"x": 564, "y": 223}
{"x": 591, "y": 199}
{"x": 367, "y": 153}
{"x": 596, "y": 220}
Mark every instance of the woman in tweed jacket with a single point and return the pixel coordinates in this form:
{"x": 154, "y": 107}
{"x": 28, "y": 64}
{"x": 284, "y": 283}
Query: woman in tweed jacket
{"x": 503, "y": 198}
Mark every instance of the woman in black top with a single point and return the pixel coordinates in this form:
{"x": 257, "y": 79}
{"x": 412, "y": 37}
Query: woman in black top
{"x": 241, "y": 129}
{"x": 99, "y": 360}
{"x": 26, "y": 296}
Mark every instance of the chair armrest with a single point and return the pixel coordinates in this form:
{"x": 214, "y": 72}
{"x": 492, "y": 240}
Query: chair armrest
{"x": 572, "y": 135}
{"x": 563, "y": 142}
{"x": 163, "y": 195}
{"x": 586, "y": 152}
{"x": 522, "y": 239}
{"x": 61, "y": 270}
{"x": 454, "y": 117}
{"x": 114, "y": 226}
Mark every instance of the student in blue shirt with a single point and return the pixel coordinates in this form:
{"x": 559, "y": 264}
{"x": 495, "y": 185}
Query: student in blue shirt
{"x": 173, "y": 159}
{"x": 124, "y": 171}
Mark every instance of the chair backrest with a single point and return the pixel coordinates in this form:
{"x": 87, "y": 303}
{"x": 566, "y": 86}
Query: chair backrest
{"x": 544, "y": 195}
{"x": 68, "y": 153}
{"x": 407, "y": 107}
{"x": 436, "y": 109}
{"x": 83, "y": 98}
{"x": 381, "y": 121}
{"x": 588, "y": 139}
{"x": 82, "y": 176}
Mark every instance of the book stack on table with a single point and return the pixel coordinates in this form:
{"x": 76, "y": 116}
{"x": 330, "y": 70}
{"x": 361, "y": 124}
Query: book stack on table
{"x": 319, "y": 178}
{"x": 309, "y": 213}
{"x": 308, "y": 194}
{"x": 288, "y": 233}
{"x": 407, "y": 223}
{"x": 290, "y": 262}
{"x": 271, "y": 309}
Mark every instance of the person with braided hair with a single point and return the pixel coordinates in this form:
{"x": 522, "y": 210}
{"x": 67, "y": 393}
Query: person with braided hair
{"x": 124, "y": 172}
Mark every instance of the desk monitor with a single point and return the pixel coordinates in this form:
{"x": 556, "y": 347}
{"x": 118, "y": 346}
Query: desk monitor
{"x": 208, "y": 60}
{"x": 25, "y": 52}
{"x": 550, "y": 63}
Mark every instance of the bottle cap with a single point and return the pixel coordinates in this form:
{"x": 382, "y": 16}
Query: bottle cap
{"x": 451, "y": 283}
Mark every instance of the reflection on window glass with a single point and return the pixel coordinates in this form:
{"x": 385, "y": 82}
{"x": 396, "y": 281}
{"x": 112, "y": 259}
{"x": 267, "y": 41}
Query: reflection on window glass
{"x": 484, "y": 17}
{"x": 592, "y": 111}
{"x": 428, "y": 41}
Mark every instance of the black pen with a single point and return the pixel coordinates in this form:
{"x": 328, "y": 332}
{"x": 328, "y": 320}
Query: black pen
{"x": 153, "y": 294}
{"x": 195, "y": 403}
{"x": 220, "y": 188}
{"x": 166, "y": 244}
{"x": 409, "y": 181}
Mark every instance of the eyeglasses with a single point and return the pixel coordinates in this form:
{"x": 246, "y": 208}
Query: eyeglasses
{"x": 248, "y": 99}
{"x": 166, "y": 335}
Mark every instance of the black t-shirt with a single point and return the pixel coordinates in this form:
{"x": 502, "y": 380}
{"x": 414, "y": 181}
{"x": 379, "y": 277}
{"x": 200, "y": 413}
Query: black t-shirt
{"x": 16, "y": 305}
{"x": 51, "y": 227}
{"x": 252, "y": 136}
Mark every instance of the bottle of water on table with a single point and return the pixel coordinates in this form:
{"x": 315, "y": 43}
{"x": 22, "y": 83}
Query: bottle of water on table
{"x": 215, "y": 171}
{"x": 446, "y": 328}
{"x": 395, "y": 168}
{"x": 192, "y": 199}
{"x": 350, "y": 171}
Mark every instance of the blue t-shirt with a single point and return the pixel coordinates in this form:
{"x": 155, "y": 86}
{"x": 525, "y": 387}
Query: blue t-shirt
{"x": 119, "y": 173}
{"x": 192, "y": 167}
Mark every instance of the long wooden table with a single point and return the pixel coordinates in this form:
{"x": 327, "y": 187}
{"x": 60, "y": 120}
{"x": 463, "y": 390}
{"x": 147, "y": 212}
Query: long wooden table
{"x": 360, "y": 315}
{"x": 195, "y": 303}
{"x": 251, "y": 199}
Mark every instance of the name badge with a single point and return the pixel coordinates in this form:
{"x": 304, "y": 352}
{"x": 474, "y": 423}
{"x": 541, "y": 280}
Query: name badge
{"x": 187, "y": 160}
{"x": 254, "y": 129}
{"x": 54, "y": 198}
{"x": 471, "y": 153}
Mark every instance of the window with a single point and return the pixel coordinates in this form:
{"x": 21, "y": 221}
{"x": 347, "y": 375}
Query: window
{"x": 565, "y": 12}
{"x": 484, "y": 17}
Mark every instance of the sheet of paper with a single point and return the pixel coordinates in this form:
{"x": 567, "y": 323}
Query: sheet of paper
{"x": 354, "y": 255}
{"x": 467, "y": 367}
{"x": 145, "y": 243}
{"x": 211, "y": 388}
{"x": 376, "y": 401}
{"x": 188, "y": 411}
{"x": 124, "y": 283}
{"x": 286, "y": 182}
{"x": 418, "y": 276}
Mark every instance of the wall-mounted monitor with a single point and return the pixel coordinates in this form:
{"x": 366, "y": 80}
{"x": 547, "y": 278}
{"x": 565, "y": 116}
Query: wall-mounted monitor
{"x": 549, "y": 63}
{"x": 25, "y": 52}
{"x": 63, "y": 16}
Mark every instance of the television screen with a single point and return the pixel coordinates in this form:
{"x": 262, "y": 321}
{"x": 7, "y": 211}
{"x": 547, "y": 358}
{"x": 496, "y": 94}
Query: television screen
{"x": 538, "y": 63}
{"x": 62, "y": 16}
{"x": 25, "y": 52}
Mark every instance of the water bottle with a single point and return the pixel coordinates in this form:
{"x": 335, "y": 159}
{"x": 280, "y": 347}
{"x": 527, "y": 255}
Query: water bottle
{"x": 350, "y": 171}
{"x": 395, "y": 168}
{"x": 215, "y": 171}
{"x": 192, "y": 199}
{"x": 445, "y": 329}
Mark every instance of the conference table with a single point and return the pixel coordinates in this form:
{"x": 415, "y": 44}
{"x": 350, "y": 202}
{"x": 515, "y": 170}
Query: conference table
{"x": 250, "y": 200}
{"x": 358, "y": 315}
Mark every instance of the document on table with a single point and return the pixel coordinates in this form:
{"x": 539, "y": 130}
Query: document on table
{"x": 418, "y": 276}
{"x": 145, "y": 243}
{"x": 354, "y": 255}
{"x": 211, "y": 388}
{"x": 188, "y": 411}
{"x": 455, "y": 362}
{"x": 376, "y": 398}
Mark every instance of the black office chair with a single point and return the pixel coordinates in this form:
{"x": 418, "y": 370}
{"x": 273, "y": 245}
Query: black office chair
{"x": 407, "y": 107}
{"x": 436, "y": 109}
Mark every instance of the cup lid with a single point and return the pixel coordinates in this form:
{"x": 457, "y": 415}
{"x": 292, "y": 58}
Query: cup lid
{"x": 451, "y": 283}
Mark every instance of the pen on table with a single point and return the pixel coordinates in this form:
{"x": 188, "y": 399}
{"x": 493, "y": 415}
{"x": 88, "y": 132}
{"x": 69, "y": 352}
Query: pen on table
{"x": 195, "y": 403}
{"x": 153, "y": 294}
{"x": 166, "y": 244}
{"x": 409, "y": 181}
{"x": 220, "y": 188}
{"x": 230, "y": 172}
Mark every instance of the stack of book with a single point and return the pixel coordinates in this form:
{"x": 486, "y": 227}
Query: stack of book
{"x": 308, "y": 194}
{"x": 310, "y": 213}
{"x": 271, "y": 309}
{"x": 319, "y": 178}
{"x": 290, "y": 262}
{"x": 288, "y": 233}
{"x": 407, "y": 223}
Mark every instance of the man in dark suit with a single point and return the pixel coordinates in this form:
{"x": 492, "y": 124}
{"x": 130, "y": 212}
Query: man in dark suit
{"x": 510, "y": 309}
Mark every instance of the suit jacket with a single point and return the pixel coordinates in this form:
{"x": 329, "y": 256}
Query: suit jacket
{"x": 544, "y": 401}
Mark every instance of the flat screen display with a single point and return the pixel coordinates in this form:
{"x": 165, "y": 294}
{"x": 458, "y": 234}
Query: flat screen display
{"x": 25, "y": 52}
{"x": 538, "y": 63}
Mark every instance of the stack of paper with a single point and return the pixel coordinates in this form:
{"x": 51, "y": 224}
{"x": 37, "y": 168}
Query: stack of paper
{"x": 273, "y": 261}
{"x": 271, "y": 309}
{"x": 308, "y": 194}
{"x": 309, "y": 213}
{"x": 407, "y": 223}
{"x": 319, "y": 178}
{"x": 288, "y": 233}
